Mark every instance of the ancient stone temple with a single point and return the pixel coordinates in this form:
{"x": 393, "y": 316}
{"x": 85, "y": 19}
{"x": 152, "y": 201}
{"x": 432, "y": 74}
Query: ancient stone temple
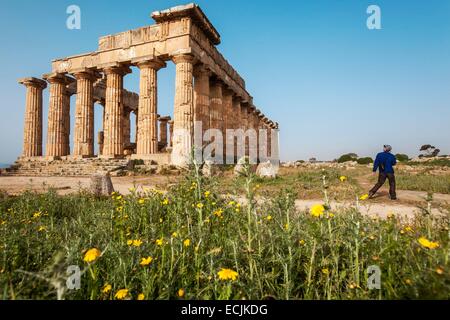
{"x": 209, "y": 94}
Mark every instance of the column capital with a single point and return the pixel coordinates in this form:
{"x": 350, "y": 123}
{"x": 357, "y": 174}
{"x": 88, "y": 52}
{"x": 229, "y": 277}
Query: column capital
{"x": 150, "y": 61}
{"x": 86, "y": 73}
{"x": 33, "y": 82}
{"x": 116, "y": 69}
{"x": 202, "y": 70}
{"x": 180, "y": 58}
{"x": 165, "y": 119}
{"x": 58, "y": 78}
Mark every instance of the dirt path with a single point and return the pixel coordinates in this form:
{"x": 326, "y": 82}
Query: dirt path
{"x": 67, "y": 185}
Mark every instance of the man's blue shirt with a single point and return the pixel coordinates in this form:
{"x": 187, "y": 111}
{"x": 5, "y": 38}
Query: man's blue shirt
{"x": 385, "y": 161}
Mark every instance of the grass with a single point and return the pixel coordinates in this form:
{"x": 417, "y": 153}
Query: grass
{"x": 422, "y": 182}
{"x": 192, "y": 232}
{"x": 443, "y": 162}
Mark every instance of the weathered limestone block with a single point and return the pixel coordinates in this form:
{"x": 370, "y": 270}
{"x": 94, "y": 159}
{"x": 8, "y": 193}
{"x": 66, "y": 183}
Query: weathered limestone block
{"x": 267, "y": 170}
{"x": 101, "y": 184}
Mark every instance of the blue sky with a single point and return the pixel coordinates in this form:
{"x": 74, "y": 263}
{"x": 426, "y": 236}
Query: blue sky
{"x": 312, "y": 65}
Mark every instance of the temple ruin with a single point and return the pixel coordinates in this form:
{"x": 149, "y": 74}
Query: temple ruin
{"x": 207, "y": 91}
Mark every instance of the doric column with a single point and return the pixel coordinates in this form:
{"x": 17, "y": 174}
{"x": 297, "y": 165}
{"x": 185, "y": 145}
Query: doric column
{"x": 202, "y": 97}
{"x": 216, "y": 112}
{"x": 237, "y": 124}
{"x": 126, "y": 127}
{"x": 84, "y": 114}
{"x": 32, "y": 135}
{"x": 147, "y": 137}
{"x": 253, "y": 144}
{"x": 183, "y": 110}
{"x": 101, "y": 140}
{"x": 244, "y": 125}
{"x": 163, "y": 121}
{"x": 57, "y": 115}
{"x": 227, "y": 115}
{"x": 171, "y": 133}
{"x": 113, "y": 125}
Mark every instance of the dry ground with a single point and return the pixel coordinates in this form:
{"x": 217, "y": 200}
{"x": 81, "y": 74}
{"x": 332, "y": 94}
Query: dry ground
{"x": 305, "y": 181}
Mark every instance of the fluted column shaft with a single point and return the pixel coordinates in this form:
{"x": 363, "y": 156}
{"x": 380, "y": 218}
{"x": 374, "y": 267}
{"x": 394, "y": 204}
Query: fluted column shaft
{"x": 227, "y": 121}
{"x": 84, "y": 115}
{"x": 147, "y": 142}
{"x": 171, "y": 133}
{"x": 126, "y": 127}
{"x": 32, "y": 137}
{"x": 57, "y": 116}
{"x": 202, "y": 97}
{"x": 114, "y": 109}
{"x": 163, "y": 126}
{"x": 183, "y": 110}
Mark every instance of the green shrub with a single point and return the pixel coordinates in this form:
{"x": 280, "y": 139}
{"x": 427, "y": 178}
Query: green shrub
{"x": 365, "y": 160}
{"x": 347, "y": 157}
{"x": 402, "y": 157}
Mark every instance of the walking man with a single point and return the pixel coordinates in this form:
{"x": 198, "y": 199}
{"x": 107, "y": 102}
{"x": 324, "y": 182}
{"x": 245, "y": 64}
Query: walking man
{"x": 384, "y": 163}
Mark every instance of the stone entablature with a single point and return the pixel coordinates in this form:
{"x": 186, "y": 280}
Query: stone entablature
{"x": 208, "y": 91}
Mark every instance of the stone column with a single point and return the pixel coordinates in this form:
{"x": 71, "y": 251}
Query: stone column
{"x": 101, "y": 139}
{"x": 216, "y": 113}
{"x": 244, "y": 125}
{"x": 57, "y": 121}
{"x": 227, "y": 112}
{"x": 202, "y": 97}
{"x": 237, "y": 125}
{"x": 126, "y": 127}
{"x": 147, "y": 141}
{"x": 183, "y": 110}
{"x": 67, "y": 128}
{"x": 113, "y": 125}
{"x": 32, "y": 136}
{"x": 163, "y": 121}
{"x": 171, "y": 133}
{"x": 84, "y": 114}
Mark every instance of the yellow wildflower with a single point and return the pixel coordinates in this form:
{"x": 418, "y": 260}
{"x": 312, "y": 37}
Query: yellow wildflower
{"x": 187, "y": 243}
{"x": 427, "y": 243}
{"x": 165, "y": 202}
{"x": 42, "y": 228}
{"x": 268, "y": 218}
{"x": 207, "y": 194}
{"x": 325, "y": 271}
{"x": 107, "y": 288}
{"x": 317, "y": 210}
{"x": 364, "y": 197}
{"x": 37, "y": 214}
{"x": 218, "y": 213}
{"x": 200, "y": 205}
{"x": 146, "y": 261}
{"x": 91, "y": 255}
{"x": 129, "y": 242}
{"x": 141, "y": 201}
{"x": 343, "y": 178}
{"x": 121, "y": 294}
{"x": 141, "y": 296}
{"x": 137, "y": 243}
{"x": 181, "y": 293}
{"x": 231, "y": 203}
{"x": 159, "y": 242}
{"x": 302, "y": 242}
{"x": 174, "y": 235}
{"x": 227, "y": 274}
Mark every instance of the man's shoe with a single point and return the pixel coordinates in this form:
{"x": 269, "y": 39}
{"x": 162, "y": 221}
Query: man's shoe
{"x": 371, "y": 195}
{"x": 393, "y": 198}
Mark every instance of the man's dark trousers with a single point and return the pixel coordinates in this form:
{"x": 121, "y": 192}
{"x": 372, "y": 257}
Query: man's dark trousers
{"x": 381, "y": 180}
